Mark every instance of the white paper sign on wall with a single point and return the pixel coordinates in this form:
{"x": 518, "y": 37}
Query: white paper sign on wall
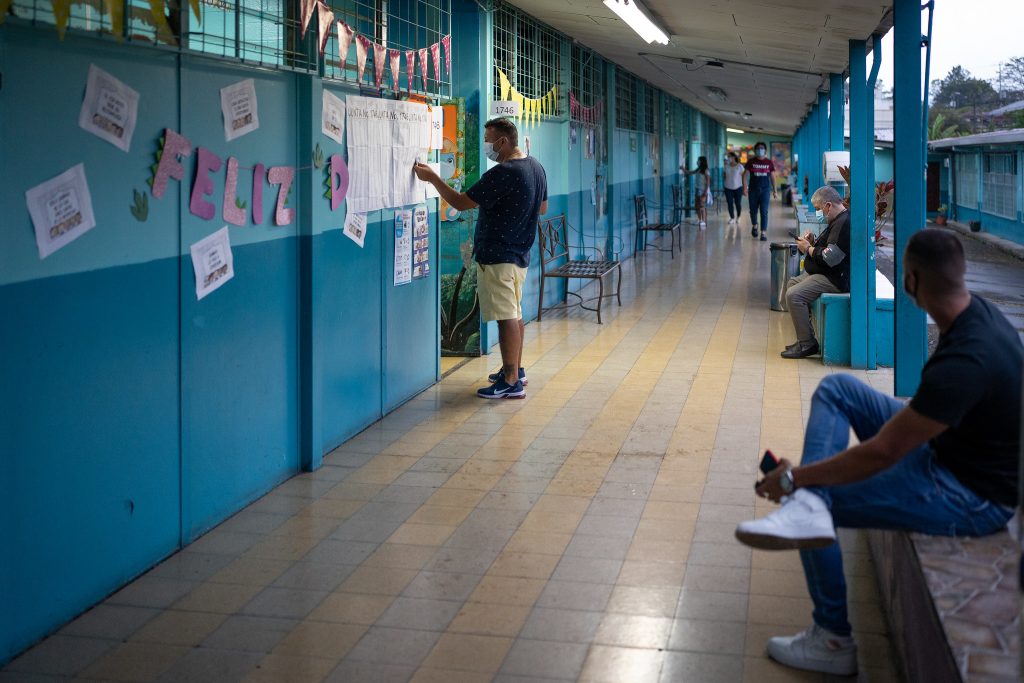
{"x": 504, "y": 108}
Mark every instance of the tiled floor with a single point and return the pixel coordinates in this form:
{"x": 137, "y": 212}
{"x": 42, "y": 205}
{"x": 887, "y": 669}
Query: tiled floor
{"x": 583, "y": 533}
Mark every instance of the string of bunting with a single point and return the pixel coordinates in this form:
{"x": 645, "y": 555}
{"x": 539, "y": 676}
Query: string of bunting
{"x": 115, "y": 9}
{"x": 382, "y": 56}
{"x": 530, "y": 108}
{"x": 589, "y": 116}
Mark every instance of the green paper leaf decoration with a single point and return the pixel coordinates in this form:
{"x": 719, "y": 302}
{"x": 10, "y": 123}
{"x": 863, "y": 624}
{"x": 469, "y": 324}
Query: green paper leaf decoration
{"x": 140, "y": 206}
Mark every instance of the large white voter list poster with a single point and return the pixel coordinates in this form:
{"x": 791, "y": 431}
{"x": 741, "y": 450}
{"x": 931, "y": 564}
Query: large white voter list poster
{"x": 385, "y": 138}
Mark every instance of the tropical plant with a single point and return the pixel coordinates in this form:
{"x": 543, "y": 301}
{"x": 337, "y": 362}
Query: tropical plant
{"x": 939, "y": 130}
{"x": 884, "y": 194}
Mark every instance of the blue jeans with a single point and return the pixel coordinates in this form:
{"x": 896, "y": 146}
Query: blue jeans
{"x": 915, "y": 494}
{"x": 734, "y": 199}
{"x": 759, "y": 203}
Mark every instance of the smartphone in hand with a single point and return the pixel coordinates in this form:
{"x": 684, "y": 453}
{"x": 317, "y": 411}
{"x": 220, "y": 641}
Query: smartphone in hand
{"x": 768, "y": 462}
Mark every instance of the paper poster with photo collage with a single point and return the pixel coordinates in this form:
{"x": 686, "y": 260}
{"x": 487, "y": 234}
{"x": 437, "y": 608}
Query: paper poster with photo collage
{"x": 403, "y": 247}
{"x": 420, "y": 243}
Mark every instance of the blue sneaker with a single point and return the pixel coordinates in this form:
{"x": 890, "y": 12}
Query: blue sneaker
{"x": 495, "y": 376}
{"x": 502, "y": 389}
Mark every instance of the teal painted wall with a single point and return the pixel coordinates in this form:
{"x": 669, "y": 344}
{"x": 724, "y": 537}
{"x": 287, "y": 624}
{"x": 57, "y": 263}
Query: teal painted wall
{"x": 134, "y": 418}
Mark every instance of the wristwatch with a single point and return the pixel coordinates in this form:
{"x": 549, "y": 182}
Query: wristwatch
{"x": 786, "y": 482}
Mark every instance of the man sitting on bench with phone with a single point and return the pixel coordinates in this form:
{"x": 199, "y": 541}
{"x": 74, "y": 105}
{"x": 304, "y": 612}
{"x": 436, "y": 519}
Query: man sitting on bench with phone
{"x": 945, "y": 464}
{"x": 826, "y": 269}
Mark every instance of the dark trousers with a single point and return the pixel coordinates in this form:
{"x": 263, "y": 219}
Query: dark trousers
{"x": 734, "y": 197}
{"x": 759, "y": 203}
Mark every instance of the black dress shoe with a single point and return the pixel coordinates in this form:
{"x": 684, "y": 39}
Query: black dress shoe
{"x": 802, "y": 350}
{"x": 790, "y": 347}
{"x": 753, "y": 231}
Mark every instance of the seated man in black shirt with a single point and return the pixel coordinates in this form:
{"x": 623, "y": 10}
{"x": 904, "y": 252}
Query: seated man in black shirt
{"x": 944, "y": 464}
{"x": 826, "y": 269}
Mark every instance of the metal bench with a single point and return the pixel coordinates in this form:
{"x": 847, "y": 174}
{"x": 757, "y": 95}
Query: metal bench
{"x": 643, "y": 226}
{"x": 554, "y": 246}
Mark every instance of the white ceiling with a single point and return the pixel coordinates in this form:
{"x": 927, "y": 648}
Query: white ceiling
{"x": 777, "y": 53}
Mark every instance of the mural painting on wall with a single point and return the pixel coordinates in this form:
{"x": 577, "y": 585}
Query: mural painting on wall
{"x": 782, "y": 159}
{"x": 460, "y": 313}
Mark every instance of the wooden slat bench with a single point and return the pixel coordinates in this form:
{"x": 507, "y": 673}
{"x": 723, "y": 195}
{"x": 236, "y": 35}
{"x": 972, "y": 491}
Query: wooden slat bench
{"x": 553, "y": 242}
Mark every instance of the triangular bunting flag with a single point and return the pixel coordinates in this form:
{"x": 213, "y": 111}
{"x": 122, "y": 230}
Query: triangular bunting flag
{"x": 396, "y": 57}
{"x": 505, "y": 85}
{"x": 446, "y": 43}
{"x": 423, "y": 66}
{"x": 306, "y": 8}
{"x": 344, "y": 40}
{"x": 410, "y": 69}
{"x": 326, "y": 17}
{"x": 113, "y": 7}
{"x": 435, "y": 57}
{"x": 62, "y": 12}
{"x": 362, "y": 45}
{"x": 194, "y": 4}
{"x": 379, "y": 52}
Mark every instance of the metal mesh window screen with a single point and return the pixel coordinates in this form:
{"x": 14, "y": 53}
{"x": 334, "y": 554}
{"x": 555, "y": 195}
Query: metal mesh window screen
{"x": 650, "y": 97}
{"x": 626, "y": 86}
{"x": 587, "y": 77}
{"x": 528, "y": 53}
{"x": 257, "y": 31}
{"x": 1000, "y": 185}
{"x": 967, "y": 180}
{"x": 267, "y": 32}
{"x": 401, "y": 25}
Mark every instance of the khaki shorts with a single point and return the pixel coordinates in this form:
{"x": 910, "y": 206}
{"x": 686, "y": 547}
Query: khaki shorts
{"x": 499, "y": 286}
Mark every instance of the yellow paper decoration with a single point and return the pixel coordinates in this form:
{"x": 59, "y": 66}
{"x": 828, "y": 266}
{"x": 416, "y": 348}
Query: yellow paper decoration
{"x": 163, "y": 29}
{"x": 115, "y": 8}
{"x": 505, "y": 85}
{"x": 4, "y": 6}
{"x": 61, "y": 15}
{"x": 195, "y": 9}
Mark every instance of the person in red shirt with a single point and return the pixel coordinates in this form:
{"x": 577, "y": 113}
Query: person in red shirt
{"x": 758, "y": 183}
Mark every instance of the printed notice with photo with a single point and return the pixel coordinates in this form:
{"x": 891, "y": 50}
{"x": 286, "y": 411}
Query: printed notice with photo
{"x": 238, "y": 104}
{"x": 110, "y": 109}
{"x": 213, "y": 262}
{"x": 333, "y": 123}
{"x": 61, "y": 210}
{"x": 355, "y": 227}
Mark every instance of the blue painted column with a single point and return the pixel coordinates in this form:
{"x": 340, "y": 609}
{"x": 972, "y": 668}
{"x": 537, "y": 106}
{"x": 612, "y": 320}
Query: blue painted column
{"x": 823, "y": 118}
{"x": 614, "y": 237}
{"x": 910, "y": 334}
{"x": 836, "y": 113}
{"x": 862, "y": 252}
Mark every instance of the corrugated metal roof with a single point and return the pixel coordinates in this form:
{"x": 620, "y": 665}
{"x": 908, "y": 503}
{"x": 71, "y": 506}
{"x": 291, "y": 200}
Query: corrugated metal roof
{"x": 1006, "y": 109}
{"x": 995, "y": 137}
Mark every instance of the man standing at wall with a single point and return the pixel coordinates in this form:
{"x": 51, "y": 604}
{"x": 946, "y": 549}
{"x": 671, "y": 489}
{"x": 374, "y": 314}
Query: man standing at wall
{"x": 511, "y": 196}
{"x": 758, "y": 183}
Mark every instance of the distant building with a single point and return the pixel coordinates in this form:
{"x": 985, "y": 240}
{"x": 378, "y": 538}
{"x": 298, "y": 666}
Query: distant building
{"x": 979, "y": 178}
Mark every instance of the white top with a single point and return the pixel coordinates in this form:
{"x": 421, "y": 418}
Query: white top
{"x": 734, "y": 177}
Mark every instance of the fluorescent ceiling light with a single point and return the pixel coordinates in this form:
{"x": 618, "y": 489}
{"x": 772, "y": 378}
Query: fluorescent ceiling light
{"x": 631, "y": 13}
{"x": 735, "y": 130}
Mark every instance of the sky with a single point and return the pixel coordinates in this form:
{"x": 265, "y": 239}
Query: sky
{"x": 976, "y": 34}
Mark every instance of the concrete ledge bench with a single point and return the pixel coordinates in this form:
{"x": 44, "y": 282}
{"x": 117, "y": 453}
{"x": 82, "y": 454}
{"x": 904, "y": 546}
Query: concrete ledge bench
{"x": 953, "y": 604}
{"x": 830, "y": 317}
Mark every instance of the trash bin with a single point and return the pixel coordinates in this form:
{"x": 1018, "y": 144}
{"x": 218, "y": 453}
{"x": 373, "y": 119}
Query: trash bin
{"x": 785, "y": 264}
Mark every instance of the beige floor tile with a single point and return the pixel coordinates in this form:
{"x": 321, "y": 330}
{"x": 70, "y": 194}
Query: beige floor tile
{"x": 538, "y": 542}
{"x": 428, "y": 675}
{"x": 400, "y": 556}
{"x": 489, "y": 619}
{"x": 648, "y": 601}
{"x": 449, "y": 496}
{"x": 135, "y": 662}
{"x": 320, "y": 639}
{"x": 465, "y": 652}
{"x": 251, "y": 571}
{"x": 610, "y": 664}
{"x": 647, "y": 573}
{"x": 377, "y": 581}
{"x": 764, "y": 670}
{"x": 336, "y": 509}
{"x": 421, "y": 534}
{"x": 277, "y": 668}
{"x": 507, "y": 590}
{"x": 351, "y": 608}
{"x": 524, "y": 565}
{"x": 219, "y": 598}
{"x": 175, "y": 627}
